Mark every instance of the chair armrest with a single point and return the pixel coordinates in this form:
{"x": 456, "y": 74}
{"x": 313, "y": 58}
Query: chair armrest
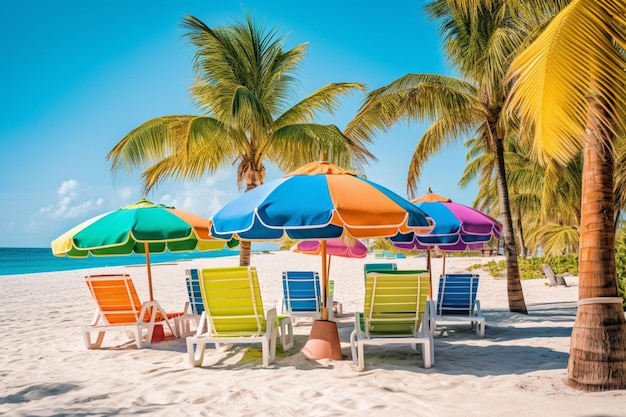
{"x": 270, "y": 318}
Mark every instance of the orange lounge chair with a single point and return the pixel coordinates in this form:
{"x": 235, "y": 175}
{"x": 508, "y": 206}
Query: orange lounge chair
{"x": 118, "y": 309}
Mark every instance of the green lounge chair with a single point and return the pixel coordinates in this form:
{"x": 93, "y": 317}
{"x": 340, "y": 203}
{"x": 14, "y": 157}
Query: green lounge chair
{"x": 396, "y": 310}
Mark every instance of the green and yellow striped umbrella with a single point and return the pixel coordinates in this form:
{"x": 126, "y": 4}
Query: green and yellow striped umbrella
{"x": 143, "y": 228}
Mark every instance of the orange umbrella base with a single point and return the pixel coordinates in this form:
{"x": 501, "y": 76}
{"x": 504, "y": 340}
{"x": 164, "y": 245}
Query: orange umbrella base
{"x": 323, "y": 341}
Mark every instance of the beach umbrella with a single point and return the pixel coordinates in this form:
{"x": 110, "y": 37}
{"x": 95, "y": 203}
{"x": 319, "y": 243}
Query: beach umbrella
{"x": 346, "y": 248}
{"x": 334, "y": 247}
{"x": 318, "y": 201}
{"x": 457, "y": 227}
{"x": 142, "y": 228}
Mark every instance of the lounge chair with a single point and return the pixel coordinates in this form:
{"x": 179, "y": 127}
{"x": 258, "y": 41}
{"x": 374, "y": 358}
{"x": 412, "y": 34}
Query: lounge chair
{"x": 233, "y": 313}
{"x": 456, "y": 301}
{"x": 193, "y": 307}
{"x": 301, "y": 294}
{"x": 118, "y": 309}
{"x": 396, "y": 310}
{"x": 386, "y": 266}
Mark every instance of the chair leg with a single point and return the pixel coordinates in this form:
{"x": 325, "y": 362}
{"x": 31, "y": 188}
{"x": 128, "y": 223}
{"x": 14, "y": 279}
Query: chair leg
{"x": 268, "y": 349}
{"x": 353, "y": 346}
{"x": 480, "y": 328}
{"x": 195, "y": 351}
{"x": 286, "y": 334}
{"x": 88, "y": 343}
{"x": 361, "y": 356}
{"x": 426, "y": 355}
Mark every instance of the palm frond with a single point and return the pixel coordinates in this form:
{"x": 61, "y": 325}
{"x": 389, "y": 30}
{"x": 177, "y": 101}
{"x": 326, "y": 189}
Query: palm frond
{"x": 552, "y": 102}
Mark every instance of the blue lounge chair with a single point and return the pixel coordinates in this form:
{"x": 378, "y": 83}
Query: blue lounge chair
{"x": 456, "y": 301}
{"x": 193, "y": 308}
{"x": 301, "y": 294}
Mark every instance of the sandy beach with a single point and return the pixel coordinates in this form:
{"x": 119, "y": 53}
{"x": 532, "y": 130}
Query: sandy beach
{"x": 518, "y": 368}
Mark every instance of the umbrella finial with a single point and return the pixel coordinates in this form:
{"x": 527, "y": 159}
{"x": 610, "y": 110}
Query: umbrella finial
{"x": 429, "y": 190}
{"x": 322, "y": 157}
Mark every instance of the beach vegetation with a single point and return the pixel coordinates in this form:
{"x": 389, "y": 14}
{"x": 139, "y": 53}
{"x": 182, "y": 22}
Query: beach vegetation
{"x": 244, "y": 91}
{"x": 569, "y": 93}
{"x": 531, "y": 267}
{"x": 480, "y": 40}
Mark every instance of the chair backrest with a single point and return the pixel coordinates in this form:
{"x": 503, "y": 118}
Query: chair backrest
{"x": 301, "y": 291}
{"x": 395, "y": 302}
{"x": 387, "y": 266}
{"x": 232, "y": 301}
{"x": 457, "y": 294}
{"x": 116, "y": 297}
{"x": 192, "y": 282}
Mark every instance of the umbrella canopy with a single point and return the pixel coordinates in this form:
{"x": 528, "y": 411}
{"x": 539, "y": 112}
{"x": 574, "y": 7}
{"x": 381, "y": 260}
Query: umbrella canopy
{"x": 318, "y": 201}
{"x": 143, "y": 227}
{"x": 334, "y": 247}
{"x": 457, "y": 228}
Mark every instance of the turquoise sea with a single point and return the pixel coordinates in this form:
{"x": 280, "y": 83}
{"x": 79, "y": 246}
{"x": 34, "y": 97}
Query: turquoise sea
{"x": 15, "y": 261}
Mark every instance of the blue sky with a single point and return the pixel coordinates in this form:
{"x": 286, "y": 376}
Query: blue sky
{"x": 77, "y": 76}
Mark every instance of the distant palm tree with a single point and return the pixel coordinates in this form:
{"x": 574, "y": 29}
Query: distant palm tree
{"x": 480, "y": 40}
{"x": 570, "y": 93}
{"x": 245, "y": 80}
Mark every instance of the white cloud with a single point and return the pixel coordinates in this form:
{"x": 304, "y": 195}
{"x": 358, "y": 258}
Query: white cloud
{"x": 69, "y": 205}
{"x": 203, "y": 198}
{"x": 68, "y": 187}
{"x": 125, "y": 193}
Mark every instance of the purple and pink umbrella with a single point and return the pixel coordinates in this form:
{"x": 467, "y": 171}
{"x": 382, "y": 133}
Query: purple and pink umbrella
{"x": 457, "y": 227}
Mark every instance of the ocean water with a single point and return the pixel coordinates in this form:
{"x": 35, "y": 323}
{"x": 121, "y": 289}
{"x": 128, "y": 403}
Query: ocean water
{"x": 15, "y": 261}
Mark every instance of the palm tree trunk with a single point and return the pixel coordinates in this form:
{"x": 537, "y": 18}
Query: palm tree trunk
{"x": 253, "y": 179}
{"x": 514, "y": 283}
{"x": 520, "y": 235}
{"x": 597, "y": 359}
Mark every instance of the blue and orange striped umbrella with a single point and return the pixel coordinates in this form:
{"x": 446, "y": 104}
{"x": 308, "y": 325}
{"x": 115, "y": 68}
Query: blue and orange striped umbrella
{"x": 318, "y": 201}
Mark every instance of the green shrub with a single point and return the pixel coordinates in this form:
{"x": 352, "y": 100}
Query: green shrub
{"x": 532, "y": 268}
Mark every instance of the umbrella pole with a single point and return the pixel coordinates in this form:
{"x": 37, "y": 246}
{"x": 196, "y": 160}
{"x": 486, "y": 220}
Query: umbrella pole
{"x": 443, "y": 272}
{"x": 147, "y": 248}
{"x": 324, "y": 337}
{"x": 430, "y": 274}
{"x": 324, "y": 281}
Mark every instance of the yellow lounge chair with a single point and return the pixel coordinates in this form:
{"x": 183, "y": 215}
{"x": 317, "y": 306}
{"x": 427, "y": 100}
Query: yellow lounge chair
{"x": 118, "y": 309}
{"x": 396, "y": 310}
{"x": 233, "y": 313}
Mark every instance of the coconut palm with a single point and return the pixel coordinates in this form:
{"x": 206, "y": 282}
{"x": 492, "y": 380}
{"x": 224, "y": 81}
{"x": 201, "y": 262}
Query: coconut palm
{"x": 480, "y": 37}
{"x": 244, "y": 82}
{"x": 570, "y": 94}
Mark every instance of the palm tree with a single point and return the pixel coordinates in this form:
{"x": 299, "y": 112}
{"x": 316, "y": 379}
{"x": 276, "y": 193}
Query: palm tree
{"x": 480, "y": 39}
{"x": 244, "y": 82}
{"x": 570, "y": 93}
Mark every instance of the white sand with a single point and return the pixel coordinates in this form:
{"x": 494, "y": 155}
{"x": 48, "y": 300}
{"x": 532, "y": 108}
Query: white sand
{"x": 519, "y": 368}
